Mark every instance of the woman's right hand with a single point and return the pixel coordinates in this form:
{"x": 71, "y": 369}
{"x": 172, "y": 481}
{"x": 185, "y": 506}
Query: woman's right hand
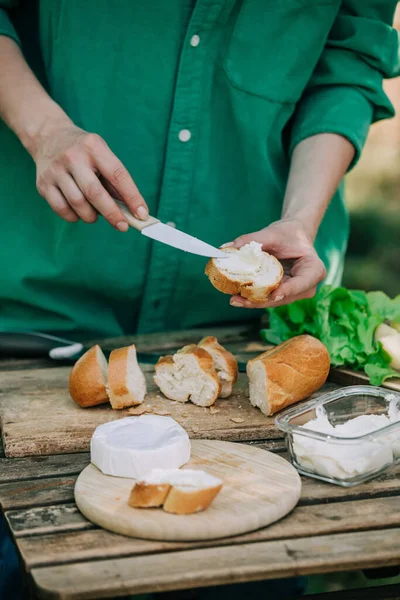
{"x": 76, "y": 170}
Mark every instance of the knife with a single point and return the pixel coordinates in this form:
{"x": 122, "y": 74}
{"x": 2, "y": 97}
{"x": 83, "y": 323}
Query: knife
{"x": 34, "y": 344}
{"x": 154, "y": 229}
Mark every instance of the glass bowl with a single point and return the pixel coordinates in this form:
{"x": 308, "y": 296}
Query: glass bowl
{"x": 330, "y": 456}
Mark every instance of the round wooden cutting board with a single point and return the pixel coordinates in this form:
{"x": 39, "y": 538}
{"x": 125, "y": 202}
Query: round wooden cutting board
{"x": 259, "y": 488}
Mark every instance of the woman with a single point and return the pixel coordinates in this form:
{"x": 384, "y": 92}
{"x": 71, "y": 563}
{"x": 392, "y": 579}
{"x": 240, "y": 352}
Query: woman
{"x": 225, "y": 117}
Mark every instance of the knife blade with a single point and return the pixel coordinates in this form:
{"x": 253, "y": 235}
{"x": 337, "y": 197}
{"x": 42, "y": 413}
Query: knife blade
{"x": 160, "y": 232}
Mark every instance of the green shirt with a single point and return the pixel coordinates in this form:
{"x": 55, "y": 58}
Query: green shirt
{"x": 245, "y": 81}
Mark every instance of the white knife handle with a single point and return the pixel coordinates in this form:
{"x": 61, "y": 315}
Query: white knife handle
{"x": 133, "y": 221}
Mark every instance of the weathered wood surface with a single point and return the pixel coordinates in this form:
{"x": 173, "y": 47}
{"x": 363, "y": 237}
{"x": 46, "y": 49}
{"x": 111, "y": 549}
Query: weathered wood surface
{"x": 332, "y": 528}
{"x": 210, "y": 566}
{"x": 38, "y": 416}
{"x": 39, "y": 467}
{"x": 349, "y": 377}
{"x": 60, "y": 535}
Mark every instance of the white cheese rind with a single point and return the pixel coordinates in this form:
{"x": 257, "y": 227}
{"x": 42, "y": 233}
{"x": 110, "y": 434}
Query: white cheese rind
{"x": 133, "y": 446}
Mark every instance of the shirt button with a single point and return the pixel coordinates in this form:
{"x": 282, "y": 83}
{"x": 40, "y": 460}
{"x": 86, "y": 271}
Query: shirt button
{"x": 195, "y": 41}
{"x": 184, "y": 135}
{"x": 171, "y": 224}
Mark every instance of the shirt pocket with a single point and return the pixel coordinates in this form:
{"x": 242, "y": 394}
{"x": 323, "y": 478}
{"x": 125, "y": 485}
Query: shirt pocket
{"x": 275, "y": 46}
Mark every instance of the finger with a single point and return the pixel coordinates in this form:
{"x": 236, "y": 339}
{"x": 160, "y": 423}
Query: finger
{"x": 98, "y": 197}
{"x": 258, "y": 236}
{"x": 60, "y": 205}
{"x": 240, "y": 302}
{"x": 76, "y": 199}
{"x": 112, "y": 169}
{"x": 306, "y": 273}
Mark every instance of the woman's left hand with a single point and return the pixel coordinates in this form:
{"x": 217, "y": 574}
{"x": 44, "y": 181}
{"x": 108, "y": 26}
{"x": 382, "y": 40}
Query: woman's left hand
{"x": 292, "y": 245}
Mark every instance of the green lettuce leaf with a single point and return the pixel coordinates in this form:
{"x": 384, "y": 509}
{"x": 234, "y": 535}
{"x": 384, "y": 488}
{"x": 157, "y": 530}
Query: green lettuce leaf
{"x": 345, "y": 321}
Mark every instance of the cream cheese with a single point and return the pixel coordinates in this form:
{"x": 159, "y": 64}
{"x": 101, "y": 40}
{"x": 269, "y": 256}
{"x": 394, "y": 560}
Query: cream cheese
{"x": 250, "y": 262}
{"x": 133, "y": 446}
{"x": 349, "y": 459}
{"x": 182, "y": 477}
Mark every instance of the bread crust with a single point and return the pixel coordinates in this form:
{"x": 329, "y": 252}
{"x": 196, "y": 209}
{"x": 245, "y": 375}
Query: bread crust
{"x": 211, "y": 345}
{"x": 205, "y": 363}
{"x": 292, "y": 371}
{"x": 247, "y": 289}
{"x": 120, "y": 396}
{"x": 148, "y": 495}
{"x": 184, "y": 500}
{"x": 87, "y": 386}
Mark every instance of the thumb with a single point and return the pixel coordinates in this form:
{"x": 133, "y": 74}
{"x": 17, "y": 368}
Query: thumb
{"x": 265, "y": 237}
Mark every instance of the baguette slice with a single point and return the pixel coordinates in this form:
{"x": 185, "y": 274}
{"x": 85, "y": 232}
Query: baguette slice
{"x": 287, "y": 373}
{"x": 180, "y": 491}
{"x": 188, "y": 375}
{"x": 126, "y": 382}
{"x": 248, "y": 272}
{"x": 88, "y": 379}
{"x": 224, "y": 363}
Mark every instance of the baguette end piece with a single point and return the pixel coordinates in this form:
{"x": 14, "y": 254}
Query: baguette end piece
{"x": 148, "y": 495}
{"x": 287, "y": 373}
{"x": 88, "y": 379}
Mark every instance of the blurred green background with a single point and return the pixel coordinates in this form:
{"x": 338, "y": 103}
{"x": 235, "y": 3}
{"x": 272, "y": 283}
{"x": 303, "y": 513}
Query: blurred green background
{"x": 373, "y": 198}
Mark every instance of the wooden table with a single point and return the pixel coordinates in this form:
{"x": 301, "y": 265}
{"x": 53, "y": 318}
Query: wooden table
{"x": 65, "y": 556}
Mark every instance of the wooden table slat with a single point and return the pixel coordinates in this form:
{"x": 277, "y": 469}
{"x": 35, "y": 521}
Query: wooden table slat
{"x": 39, "y": 467}
{"x": 57, "y": 535}
{"x": 211, "y": 566}
{"x": 57, "y": 490}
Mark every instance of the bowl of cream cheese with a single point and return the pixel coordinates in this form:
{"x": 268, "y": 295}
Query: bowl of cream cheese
{"x": 345, "y": 437}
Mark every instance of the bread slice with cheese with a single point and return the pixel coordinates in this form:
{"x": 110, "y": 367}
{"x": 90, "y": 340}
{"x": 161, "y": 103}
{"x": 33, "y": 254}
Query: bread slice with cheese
{"x": 179, "y": 491}
{"x": 224, "y": 363}
{"x": 287, "y": 373}
{"x": 126, "y": 381}
{"x": 88, "y": 379}
{"x": 188, "y": 375}
{"x": 249, "y": 272}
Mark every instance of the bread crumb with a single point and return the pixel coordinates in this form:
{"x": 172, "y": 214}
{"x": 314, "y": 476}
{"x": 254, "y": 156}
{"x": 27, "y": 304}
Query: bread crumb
{"x": 184, "y": 415}
{"x": 195, "y": 429}
{"x": 137, "y": 410}
{"x": 161, "y": 413}
{"x": 237, "y": 419}
{"x": 213, "y": 410}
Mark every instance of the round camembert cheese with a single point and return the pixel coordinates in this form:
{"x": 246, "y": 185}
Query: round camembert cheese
{"x": 133, "y": 446}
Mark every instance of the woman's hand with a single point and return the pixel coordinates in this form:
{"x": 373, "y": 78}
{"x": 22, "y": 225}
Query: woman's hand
{"x": 290, "y": 243}
{"x": 76, "y": 171}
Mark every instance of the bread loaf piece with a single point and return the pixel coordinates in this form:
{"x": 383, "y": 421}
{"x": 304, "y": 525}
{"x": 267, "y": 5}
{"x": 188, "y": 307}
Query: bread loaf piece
{"x": 248, "y": 272}
{"x": 224, "y": 363}
{"x": 179, "y": 491}
{"x": 287, "y": 373}
{"x": 88, "y": 379}
{"x": 126, "y": 381}
{"x": 188, "y": 375}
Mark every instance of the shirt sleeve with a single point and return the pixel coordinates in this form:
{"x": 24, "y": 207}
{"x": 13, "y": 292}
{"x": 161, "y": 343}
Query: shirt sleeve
{"x": 345, "y": 93}
{"x": 6, "y": 26}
